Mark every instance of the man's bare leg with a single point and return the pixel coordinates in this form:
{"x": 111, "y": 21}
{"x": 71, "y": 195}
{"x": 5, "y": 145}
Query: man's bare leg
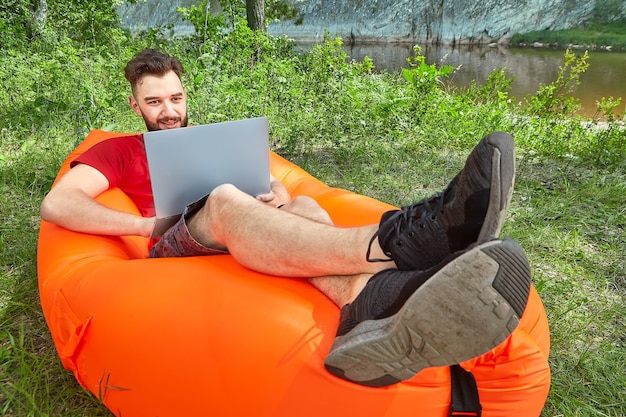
{"x": 277, "y": 242}
{"x": 340, "y": 289}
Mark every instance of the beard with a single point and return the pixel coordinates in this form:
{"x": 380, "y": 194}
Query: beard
{"x": 154, "y": 126}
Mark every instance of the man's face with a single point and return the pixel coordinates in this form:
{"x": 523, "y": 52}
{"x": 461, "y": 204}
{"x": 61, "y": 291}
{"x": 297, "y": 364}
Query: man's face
{"x": 161, "y": 101}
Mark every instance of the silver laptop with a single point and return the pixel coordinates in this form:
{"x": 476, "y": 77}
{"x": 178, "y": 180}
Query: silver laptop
{"x": 187, "y": 163}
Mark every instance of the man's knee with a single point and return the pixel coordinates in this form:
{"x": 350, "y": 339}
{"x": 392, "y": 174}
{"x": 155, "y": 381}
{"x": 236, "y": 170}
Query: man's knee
{"x": 219, "y": 198}
{"x": 203, "y": 215}
{"x": 307, "y": 207}
{"x": 222, "y": 192}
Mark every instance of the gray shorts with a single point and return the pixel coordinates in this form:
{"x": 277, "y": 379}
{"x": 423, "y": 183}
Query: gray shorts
{"x": 178, "y": 242}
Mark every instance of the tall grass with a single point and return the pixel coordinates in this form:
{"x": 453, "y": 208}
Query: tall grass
{"x": 395, "y": 137}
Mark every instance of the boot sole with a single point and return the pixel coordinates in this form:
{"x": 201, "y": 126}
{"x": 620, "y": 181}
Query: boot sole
{"x": 502, "y": 173}
{"x": 464, "y": 310}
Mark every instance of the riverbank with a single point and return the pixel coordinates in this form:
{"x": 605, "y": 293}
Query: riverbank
{"x": 593, "y": 36}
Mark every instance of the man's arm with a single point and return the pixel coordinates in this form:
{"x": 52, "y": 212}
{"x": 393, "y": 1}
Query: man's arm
{"x": 71, "y": 204}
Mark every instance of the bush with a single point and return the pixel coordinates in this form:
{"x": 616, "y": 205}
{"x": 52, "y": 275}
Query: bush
{"x": 555, "y": 98}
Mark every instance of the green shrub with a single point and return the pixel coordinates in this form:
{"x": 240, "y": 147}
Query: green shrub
{"x": 555, "y": 98}
{"x": 425, "y": 78}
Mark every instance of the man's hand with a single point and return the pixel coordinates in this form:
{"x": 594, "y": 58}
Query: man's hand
{"x": 277, "y": 196}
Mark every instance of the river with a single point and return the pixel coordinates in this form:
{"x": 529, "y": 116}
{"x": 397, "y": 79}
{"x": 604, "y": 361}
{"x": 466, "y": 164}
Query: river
{"x": 531, "y": 68}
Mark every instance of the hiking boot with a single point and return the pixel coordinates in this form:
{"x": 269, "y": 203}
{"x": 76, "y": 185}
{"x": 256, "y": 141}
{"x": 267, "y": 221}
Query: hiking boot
{"x": 471, "y": 209}
{"x": 405, "y": 321}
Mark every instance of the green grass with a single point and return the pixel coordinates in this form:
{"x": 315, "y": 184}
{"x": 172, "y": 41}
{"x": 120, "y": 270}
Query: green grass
{"x": 572, "y": 225}
{"x": 376, "y": 134}
{"x": 569, "y": 218}
{"x": 593, "y": 35}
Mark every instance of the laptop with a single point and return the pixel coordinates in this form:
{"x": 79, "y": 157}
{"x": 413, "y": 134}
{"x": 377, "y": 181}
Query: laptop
{"x": 185, "y": 164}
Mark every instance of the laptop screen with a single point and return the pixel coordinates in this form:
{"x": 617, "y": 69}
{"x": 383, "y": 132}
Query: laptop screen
{"x": 187, "y": 163}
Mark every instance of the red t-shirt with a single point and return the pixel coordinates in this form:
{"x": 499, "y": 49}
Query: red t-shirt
{"x": 124, "y": 163}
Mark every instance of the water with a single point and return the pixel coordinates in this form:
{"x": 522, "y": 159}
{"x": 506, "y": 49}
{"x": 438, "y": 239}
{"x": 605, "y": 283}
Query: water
{"x": 531, "y": 67}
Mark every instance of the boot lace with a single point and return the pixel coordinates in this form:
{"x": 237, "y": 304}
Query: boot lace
{"x": 416, "y": 214}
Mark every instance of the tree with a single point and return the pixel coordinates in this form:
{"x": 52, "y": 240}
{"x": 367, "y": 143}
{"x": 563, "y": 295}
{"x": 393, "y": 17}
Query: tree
{"x": 258, "y": 10}
{"x": 255, "y": 13}
{"x": 40, "y": 14}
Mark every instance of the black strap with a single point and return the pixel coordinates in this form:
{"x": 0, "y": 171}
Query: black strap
{"x": 465, "y": 401}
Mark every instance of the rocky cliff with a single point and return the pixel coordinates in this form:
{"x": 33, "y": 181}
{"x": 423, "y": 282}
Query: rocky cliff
{"x": 437, "y": 21}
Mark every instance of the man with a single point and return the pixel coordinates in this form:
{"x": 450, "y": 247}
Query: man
{"x": 430, "y": 285}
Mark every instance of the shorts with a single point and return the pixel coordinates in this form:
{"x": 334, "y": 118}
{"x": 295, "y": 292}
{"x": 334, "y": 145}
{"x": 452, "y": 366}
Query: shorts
{"x": 178, "y": 242}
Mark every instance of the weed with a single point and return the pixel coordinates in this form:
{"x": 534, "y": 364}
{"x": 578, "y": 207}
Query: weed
{"x": 555, "y": 98}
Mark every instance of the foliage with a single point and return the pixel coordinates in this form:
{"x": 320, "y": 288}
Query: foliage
{"x": 15, "y": 19}
{"x": 77, "y": 89}
{"x": 46, "y": 23}
{"x": 555, "y": 98}
{"x": 422, "y": 76}
{"x": 208, "y": 24}
{"x": 85, "y": 22}
{"x": 280, "y": 9}
{"x": 610, "y": 134}
{"x": 595, "y": 34}
{"x": 495, "y": 90}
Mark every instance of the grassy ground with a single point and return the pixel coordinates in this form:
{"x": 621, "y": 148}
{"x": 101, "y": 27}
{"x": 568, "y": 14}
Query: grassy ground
{"x": 397, "y": 140}
{"x": 570, "y": 219}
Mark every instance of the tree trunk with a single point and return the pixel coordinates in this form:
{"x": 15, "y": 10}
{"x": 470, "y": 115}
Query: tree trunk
{"x": 40, "y": 14}
{"x": 255, "y": 12}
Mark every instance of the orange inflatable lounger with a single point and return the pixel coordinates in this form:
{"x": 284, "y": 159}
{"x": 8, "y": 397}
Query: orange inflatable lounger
{"x": 203, "y": 336}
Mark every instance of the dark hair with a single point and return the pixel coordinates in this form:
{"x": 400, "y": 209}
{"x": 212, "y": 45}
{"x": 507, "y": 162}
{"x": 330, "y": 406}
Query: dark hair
{"x": 150, "y": 62}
